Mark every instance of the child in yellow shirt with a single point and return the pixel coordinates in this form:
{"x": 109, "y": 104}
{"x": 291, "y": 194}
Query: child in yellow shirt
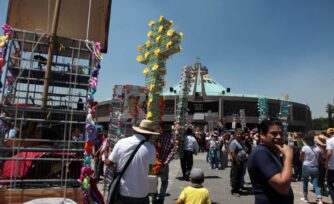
{"x": 196, "y": 193}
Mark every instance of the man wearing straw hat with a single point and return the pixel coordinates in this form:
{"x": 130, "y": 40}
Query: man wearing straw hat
{"x": 330, "y": 162}
{"x": 134, "y": 183}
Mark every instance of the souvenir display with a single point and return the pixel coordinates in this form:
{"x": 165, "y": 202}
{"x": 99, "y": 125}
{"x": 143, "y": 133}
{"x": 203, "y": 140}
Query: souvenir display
{"x": 284, "y": 114}
{"x": 181, "y": 108}
{"x": 262, "y": 106}
{"x": 127, "y": 108}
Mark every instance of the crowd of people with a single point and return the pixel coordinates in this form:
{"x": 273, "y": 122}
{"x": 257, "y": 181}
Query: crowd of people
{"x": 272, "y": 160}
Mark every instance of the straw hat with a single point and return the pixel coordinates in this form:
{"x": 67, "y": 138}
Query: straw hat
{"x": 330, "y": 131}
{"x": 320, "y": 140}
{"x": 215, "y": 134}
{"x": 256, "y": 136}
{"x": 147, "y": 127}
{"x": 294, "y": 136}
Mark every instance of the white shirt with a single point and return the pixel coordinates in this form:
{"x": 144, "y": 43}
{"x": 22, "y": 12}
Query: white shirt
{"x": 134, "y": 182}
{"x": 191, "y": 144}
{"x": 140, "y": 113}
{"x": 330, "y": 146}
{"x": 311, "y": 157}
{"x": 11, "y": 133}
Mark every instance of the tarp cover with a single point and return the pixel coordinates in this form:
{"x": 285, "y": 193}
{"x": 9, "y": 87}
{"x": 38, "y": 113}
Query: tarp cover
{"x": 18, "y": 168}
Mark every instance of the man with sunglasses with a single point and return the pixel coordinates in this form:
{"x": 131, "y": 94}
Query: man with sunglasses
{"x": 270, "y": 176}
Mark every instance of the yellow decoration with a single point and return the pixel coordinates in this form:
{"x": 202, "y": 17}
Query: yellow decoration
{"x": 170, "y": 33}
{"x": 139, "y": 48}
{"x": 139, "y": 58}
{"x": 155, "y": 67}
{"x": 171, "y": 23}
{"x": 151, "y": 23}
{"x": 149, "y": 115}
{"x": 152, "y": 87}
{"x": 164, "y": 84}
{"x": 181, "y": 36}
{"x": 169, "y": 44}
{"x": 157, "y": 39}
{"x": 179, "y": 48}
{"x": 149, "y": 34}
{"x": 146, "y": 70}
{"x": 161, "y": 18}
{"x": 156, "y": 52}
{"x": 148, "y": 43}
{"x": 147, "y": 55}
{"x": 149, "y": 102}
{"x": 98, "y": 55}
{"x": 3, "y": 40}
{"x": 160, "y": 28}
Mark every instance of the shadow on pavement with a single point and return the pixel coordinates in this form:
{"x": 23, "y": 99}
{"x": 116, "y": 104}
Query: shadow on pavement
{"x": 212, "y": 177}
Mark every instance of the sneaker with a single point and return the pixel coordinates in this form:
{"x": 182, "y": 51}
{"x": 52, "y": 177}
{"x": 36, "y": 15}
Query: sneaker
{"x": 236, "y": 194}
{"x": 305, "y": 200}
{"x": 319, "y": 200}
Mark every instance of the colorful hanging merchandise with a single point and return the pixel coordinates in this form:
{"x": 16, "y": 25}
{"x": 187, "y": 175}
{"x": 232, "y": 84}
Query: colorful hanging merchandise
{"x": 89, "y": 188}
{"x": 162, "y": 43}
{"x": 181, "y": 108}
{"x": 284, "y": 114}
{"x": 262, "y": 106}
{"x": 3, "y": 46}
{"x": 128, "y": 107}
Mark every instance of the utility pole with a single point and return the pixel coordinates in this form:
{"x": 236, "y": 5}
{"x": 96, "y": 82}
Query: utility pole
{"x": 50, "y": 54}
{"x": 329, "y": 110}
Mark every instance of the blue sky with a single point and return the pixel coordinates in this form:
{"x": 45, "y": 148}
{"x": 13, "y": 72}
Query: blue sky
{"x": 264, "y": 47}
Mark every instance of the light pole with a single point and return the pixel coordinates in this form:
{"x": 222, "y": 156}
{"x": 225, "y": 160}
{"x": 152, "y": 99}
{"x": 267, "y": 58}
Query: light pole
{"x": 329, "y": 110}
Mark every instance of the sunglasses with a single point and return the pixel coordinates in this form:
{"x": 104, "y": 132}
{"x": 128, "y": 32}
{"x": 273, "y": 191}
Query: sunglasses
{"x": 275, "y": 133}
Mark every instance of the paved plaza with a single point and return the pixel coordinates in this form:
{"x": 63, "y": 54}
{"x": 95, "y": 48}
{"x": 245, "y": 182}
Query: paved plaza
{"x": 218, "y": 183}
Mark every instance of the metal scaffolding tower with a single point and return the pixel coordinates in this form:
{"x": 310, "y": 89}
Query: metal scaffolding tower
{"x": 43, "y": 147}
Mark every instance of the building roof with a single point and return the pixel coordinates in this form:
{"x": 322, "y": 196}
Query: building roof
{"x": 202, "y": 78}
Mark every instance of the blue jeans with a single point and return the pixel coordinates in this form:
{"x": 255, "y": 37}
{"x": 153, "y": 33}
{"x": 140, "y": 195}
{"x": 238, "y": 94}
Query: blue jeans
{"x": 164, "y": 182}
{"x": 313, "y": 172}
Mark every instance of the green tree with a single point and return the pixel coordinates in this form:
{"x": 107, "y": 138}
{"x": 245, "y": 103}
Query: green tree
{"x": 320, "y": 123}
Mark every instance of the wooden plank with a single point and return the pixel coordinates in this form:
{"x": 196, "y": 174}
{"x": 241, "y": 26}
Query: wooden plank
{"x": 18, "y": 196}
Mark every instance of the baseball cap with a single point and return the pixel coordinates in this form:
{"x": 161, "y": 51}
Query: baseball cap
{"x": 196, "y": 174}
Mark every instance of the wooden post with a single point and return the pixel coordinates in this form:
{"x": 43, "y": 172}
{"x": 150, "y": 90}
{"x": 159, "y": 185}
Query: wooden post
{"x": 50, "y": 54}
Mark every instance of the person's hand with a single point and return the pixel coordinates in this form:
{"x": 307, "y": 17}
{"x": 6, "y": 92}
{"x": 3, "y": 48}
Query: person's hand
{"x": 286, "y": 151}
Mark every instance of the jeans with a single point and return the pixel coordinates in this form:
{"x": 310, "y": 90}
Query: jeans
{"x": 236, "y": 175}
{"x": 224, "y": 159}
{"x": 164, "y": 182}
{"x": 186, "y": 163}
{"x": 330, "y": 183}
{"x": 214, "y": 159}
{"x": 313, "y": 172}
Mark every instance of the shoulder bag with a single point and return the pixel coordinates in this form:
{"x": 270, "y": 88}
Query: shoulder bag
{"x": 114, "y": 187}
